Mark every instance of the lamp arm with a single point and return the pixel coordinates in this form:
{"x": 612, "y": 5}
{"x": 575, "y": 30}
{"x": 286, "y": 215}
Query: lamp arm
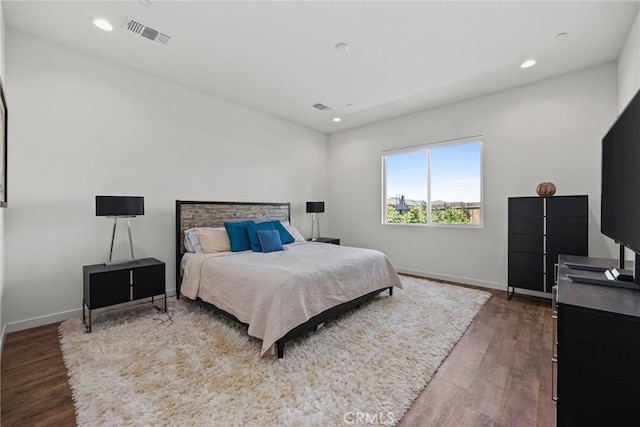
{"x": 113, "y": 237}
{"x": 130, "y": 240}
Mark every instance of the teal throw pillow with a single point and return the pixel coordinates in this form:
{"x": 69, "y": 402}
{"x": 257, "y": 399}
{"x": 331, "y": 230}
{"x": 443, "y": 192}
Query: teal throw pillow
{"x": 269, "y": 240}
{"x": 252, "y": 231}
{"x": 238, "y": 236}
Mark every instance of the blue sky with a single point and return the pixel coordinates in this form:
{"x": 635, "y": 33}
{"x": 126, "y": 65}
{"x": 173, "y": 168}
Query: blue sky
{"x": 455, "y": 173}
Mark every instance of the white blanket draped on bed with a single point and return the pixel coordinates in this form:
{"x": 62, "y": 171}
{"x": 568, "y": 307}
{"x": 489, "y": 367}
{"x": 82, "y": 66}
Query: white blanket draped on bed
{"x": 277, "y": 291}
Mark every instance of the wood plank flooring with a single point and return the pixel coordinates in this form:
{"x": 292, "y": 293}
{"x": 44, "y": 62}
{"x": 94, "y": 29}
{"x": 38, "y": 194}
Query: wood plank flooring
{"x": 499, "y": 374}
{"x": 33, "y": 380}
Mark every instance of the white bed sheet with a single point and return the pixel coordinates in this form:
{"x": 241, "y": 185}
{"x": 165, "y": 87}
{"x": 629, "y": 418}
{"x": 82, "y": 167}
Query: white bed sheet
{"x": 277, "y": 291}
{"x": 183, "y": 262}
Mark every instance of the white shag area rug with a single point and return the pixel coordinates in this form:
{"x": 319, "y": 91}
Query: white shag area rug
{"x": 204, "y": 370}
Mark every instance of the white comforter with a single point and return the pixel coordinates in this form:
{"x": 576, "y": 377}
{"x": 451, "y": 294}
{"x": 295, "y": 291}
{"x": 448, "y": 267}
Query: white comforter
{"x": 277, "y": 291}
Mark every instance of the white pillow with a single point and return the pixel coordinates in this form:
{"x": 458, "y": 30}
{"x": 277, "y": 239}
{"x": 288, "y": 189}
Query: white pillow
{"x": 191, "y": 241}
{"x": 295, "y": 233}
{"x": 212, "y": 240}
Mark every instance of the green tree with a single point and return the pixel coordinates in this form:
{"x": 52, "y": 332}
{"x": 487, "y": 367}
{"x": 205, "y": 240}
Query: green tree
{"x": 392, "y": 215}
{"x": 449, "y": 215}
{"x": 416, "y": 215}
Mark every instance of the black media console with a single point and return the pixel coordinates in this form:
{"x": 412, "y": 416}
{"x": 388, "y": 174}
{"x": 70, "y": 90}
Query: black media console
{"x": 596, "y": 348}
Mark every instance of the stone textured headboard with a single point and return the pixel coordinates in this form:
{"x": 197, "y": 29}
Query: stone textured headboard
{"x": 190, "y": 214}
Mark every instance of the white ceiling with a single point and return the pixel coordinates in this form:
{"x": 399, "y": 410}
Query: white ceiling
{"x": 280, "y": 57}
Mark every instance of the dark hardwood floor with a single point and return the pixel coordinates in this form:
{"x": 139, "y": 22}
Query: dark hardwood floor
{"x": 499, "y": 374}
{"x": 33, "y": 380}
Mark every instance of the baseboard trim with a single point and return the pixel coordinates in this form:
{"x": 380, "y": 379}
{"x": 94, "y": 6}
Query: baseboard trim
{"x": 4, "y": 334}
{"x": 449, "y": 278}
{"x": 469, "y": 281}
{"x": 34, "y": 322}
{"x": 54, "y": 318}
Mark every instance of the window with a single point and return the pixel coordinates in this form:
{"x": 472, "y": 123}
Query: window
{"x": 442, "y": 179}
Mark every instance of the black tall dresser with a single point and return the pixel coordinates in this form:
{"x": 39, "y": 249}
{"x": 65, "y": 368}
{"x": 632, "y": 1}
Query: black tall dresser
{"x": 541, "y": 228}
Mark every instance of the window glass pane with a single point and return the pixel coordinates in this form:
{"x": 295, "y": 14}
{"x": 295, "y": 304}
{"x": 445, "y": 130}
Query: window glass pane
{"x": 406, "y": 192}
{"x": 434, "y": 184}
{"x": 456, "y": 184}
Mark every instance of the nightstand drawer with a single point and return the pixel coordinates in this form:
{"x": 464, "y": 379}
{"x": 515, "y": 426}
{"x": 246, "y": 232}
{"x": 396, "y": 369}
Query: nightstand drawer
{"x": 148, "y": 281}
{"x": 108, "y": 288}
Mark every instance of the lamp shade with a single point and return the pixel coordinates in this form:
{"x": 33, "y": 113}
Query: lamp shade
{"x": 119, "y": 205}
{"x": 315, "y": 207}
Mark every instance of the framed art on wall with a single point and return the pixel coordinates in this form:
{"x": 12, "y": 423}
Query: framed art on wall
{"x": 3, "y": 149}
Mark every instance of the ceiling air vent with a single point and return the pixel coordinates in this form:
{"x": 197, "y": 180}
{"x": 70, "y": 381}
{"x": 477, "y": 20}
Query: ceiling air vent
{"x": 141, "y": 29}
{"x": 320, "y": 106}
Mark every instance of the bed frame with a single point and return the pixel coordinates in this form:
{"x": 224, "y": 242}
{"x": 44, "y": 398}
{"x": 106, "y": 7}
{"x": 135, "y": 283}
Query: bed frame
{"x": 190, "y": 214}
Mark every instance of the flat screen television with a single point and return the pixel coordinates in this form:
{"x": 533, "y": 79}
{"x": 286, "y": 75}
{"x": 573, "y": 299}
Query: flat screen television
{"x": 620, "y": 203}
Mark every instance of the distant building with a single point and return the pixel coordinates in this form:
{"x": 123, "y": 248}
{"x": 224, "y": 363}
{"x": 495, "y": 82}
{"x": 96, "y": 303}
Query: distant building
{"x": 401, "y": 206}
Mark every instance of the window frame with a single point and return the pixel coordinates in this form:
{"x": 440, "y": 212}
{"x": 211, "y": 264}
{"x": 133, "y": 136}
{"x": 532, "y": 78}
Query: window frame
{"x": 428, "y": 148}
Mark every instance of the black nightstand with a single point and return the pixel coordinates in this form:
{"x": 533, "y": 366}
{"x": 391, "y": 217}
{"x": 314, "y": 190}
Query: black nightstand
{"x": 331, "y": 240}
{"x": 105, "y": 285}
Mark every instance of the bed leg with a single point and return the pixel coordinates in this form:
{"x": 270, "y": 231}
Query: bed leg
{"x": 280, "y": 346}
{"x": 390, "y": 291}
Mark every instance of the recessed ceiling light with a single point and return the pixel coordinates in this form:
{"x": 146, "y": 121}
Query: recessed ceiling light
{"x": 102, "y": 24}
{"x": 528, "y": 63}
{"x": 337, "y": 119}
{"x": 342, "y": 47}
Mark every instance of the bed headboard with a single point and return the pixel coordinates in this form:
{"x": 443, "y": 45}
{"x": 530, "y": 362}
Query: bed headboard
{"x": 190, "y": 214}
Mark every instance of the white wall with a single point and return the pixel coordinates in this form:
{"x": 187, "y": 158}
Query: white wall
{"x": 546, "y": 131}
{"x": 81, "y": 127}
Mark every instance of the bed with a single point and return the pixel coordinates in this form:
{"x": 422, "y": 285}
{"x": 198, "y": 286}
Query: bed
{"x": 281, "y": 294}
